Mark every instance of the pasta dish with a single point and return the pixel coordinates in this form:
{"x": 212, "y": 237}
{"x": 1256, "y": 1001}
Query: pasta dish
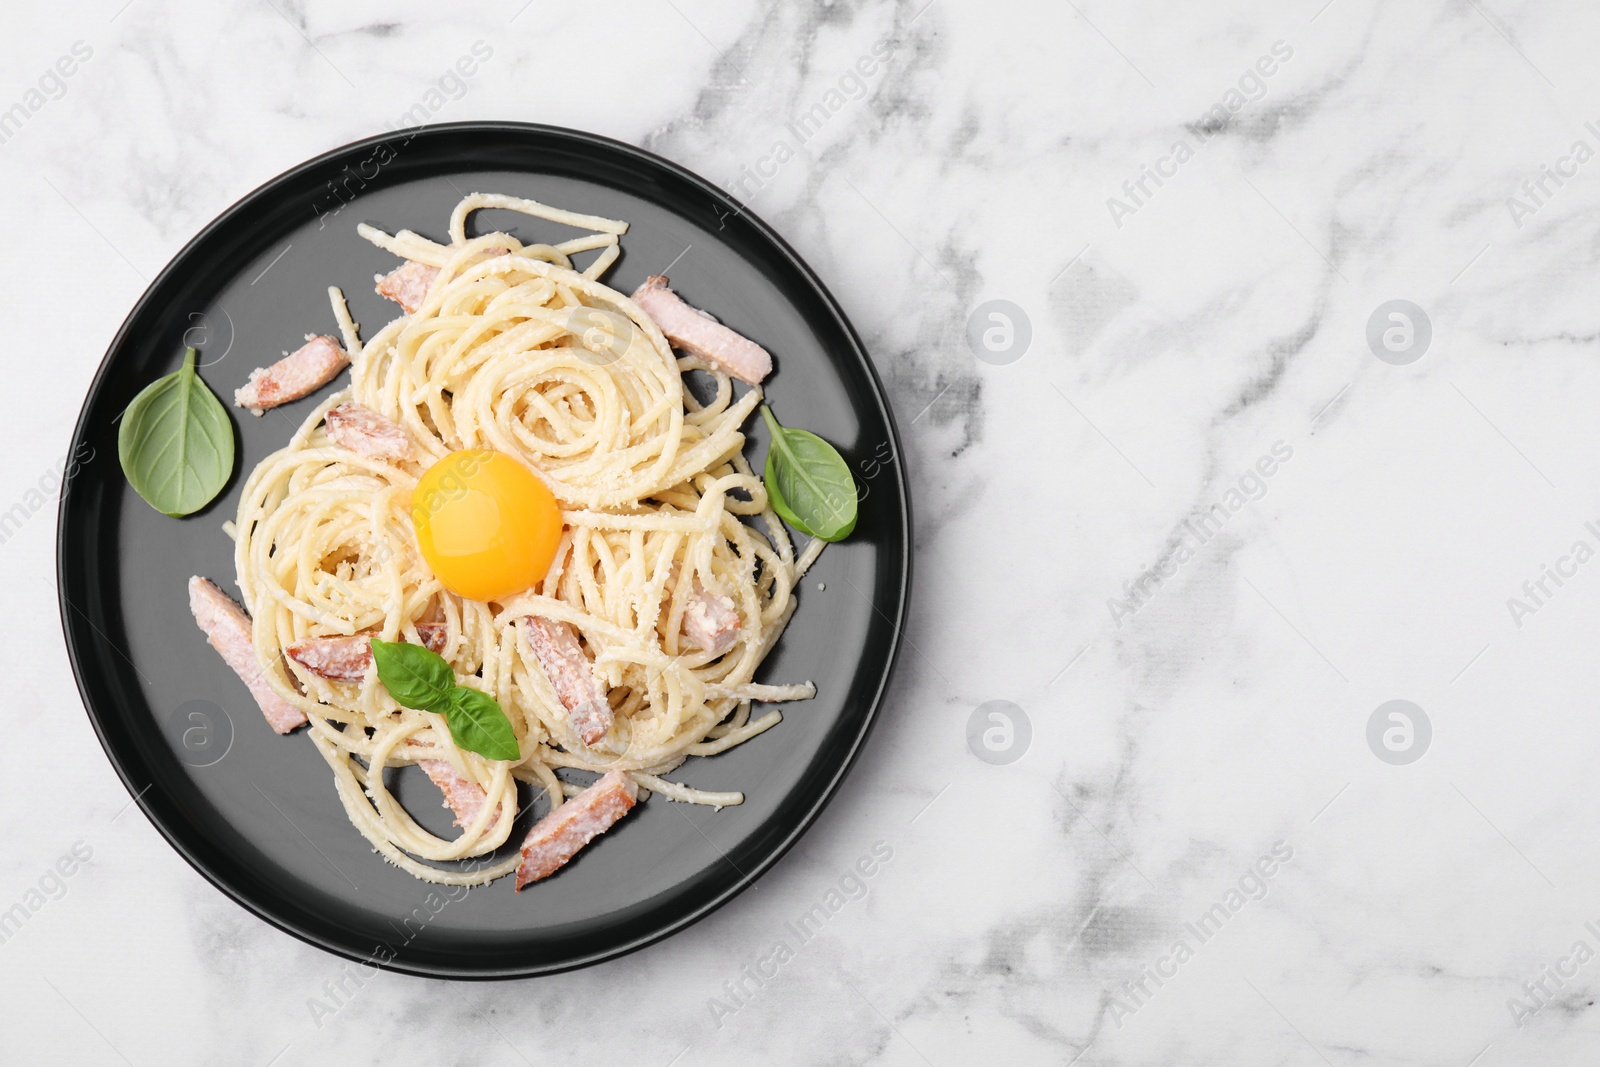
{"x": 518, "y": 479}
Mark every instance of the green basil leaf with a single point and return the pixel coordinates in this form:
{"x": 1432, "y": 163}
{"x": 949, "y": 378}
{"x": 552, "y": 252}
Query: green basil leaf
{"x": 413, "y": 675}
{"x": 176, "y": 442}
{"x": 422, "y": 679}
{"x": 478, "y": 724}
{"x": 809, "y": 483}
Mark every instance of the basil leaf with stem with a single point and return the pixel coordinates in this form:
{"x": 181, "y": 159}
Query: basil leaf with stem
{"x": 479, "y": 724}
{"x": 809, "y": 483}
{"x": 419, "y": 678}
{"x": 175, "y": 442}
{"x": 414, "y": 675}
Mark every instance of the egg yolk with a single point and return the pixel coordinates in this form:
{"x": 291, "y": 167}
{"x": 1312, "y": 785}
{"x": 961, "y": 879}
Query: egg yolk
{"x": 487, "y": 526}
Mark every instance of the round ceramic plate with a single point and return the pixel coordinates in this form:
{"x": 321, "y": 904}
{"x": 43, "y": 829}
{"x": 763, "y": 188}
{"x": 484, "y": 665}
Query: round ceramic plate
{"x": 256, "y": 813}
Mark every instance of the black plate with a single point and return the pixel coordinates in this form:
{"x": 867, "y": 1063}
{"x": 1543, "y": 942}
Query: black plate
{"x": 256, "y": 813}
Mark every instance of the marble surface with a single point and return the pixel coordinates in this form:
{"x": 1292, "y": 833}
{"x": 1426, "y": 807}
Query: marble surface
{"x": 1197, "y": 851}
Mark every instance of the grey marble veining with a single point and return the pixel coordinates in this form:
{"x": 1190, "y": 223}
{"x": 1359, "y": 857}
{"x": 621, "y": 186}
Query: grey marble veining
{"x": 1199, "y": 215}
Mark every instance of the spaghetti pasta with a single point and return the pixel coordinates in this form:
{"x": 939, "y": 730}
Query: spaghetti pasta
{"x": 516, "y": 351}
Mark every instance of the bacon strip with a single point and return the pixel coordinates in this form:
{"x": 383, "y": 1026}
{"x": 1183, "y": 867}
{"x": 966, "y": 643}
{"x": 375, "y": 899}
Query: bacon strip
{"x": 555, "y": 646}
{"x": 360, "y": 429}
{"x": 557, "y": 837}
{"x": 303, "y": 371}
{"x": 710, "y": 621}
{"x": 346, "y": 659}
{"x": 408, "y": 284}
{"x": 463, "y": 796}
{"x": 227, "y": 628}
{"x": 699, "y": 334}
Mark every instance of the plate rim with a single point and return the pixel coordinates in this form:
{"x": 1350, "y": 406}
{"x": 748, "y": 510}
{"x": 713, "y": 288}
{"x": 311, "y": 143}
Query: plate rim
{"x": 879, "y": 398}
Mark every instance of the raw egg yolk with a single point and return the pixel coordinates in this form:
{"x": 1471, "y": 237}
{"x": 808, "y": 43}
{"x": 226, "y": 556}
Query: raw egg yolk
{"x": 486, "y": 524}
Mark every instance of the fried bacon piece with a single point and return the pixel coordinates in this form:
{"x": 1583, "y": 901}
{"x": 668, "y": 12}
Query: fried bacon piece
{"x": 360, "y": 429}
{"x": 227, "y": 628}
{"x": 464, "y": 796}
{"x": 303, "y": 371}
{"x": 710, "y": 621}
{"x": 555, "y": 646}
{"x": 346, "y": 659}
{"x": 557, "y": 837}
{"x": 698, "y": 334}
{"x": 408, "y": 284}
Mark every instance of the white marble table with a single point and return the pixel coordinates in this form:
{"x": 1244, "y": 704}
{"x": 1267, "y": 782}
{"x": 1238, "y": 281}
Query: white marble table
{"x": 1198, "y": 857}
